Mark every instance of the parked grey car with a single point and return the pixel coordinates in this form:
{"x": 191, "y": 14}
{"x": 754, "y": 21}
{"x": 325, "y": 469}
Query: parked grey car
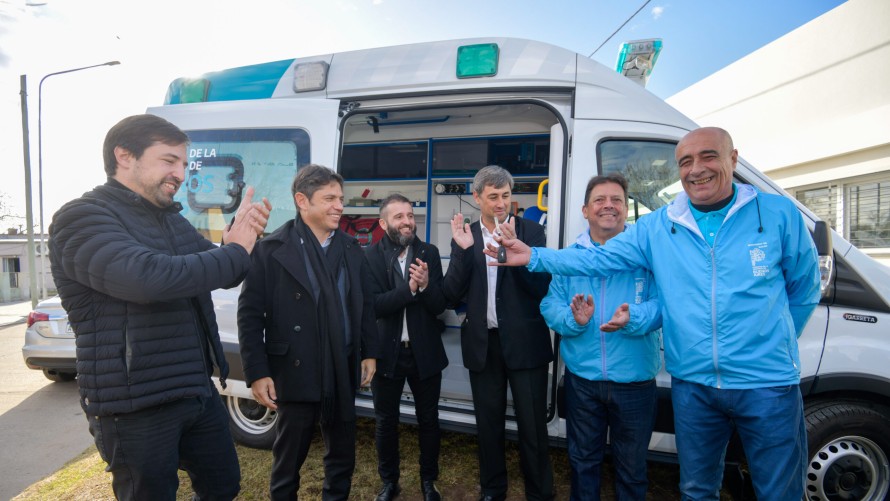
{"x": 50, "y": 347}
{"x": 49, "y": 341}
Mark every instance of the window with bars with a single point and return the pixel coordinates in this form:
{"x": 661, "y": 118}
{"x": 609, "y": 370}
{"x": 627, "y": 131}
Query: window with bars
{"x": 858, "y": 210}
{"x": 823, "y": 203}
{"x": 869, "y": 211}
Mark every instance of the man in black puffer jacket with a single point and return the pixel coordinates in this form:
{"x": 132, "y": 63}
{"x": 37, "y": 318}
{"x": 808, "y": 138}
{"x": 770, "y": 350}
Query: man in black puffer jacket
{"x": 135, "y": 278}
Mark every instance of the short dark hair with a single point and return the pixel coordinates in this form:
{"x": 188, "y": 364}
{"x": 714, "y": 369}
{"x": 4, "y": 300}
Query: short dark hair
{"x": 608, "y": 178}
{"x": 312, "y": 177}
{"x": 394, "y": 198}
{"x": 135, "y": 134}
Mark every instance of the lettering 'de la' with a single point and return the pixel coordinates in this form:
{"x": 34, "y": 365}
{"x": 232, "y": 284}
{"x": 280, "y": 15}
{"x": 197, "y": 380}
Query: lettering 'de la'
{"x": 197, "y": 153}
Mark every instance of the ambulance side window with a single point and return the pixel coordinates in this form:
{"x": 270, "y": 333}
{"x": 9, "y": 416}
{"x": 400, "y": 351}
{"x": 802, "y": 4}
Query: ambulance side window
{"x": 222, "y": 163}
{"x": 653, "y": 179}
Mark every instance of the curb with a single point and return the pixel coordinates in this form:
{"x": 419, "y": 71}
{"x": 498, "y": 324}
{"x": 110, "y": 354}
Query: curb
{"x": 14, "y": 322}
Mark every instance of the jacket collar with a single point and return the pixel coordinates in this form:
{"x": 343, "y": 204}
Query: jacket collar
{"x": 117, "y": 190}
{"x": 679, "y": 212}
{"x": 586, "y": 242}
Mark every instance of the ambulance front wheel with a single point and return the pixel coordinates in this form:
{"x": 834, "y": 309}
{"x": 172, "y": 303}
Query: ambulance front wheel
{"x": 848, "y": 445}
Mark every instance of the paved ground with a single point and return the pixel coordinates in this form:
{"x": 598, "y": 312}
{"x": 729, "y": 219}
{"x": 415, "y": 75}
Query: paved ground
{"x": 41, "y": 423}
{"x": 13, "y": 313}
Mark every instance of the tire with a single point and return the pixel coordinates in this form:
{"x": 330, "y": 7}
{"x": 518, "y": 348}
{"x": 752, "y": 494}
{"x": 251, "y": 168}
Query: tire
{"x": 849, "y": 445}
{"x": 250, "y": 423}
{"x": 57, "y": 376}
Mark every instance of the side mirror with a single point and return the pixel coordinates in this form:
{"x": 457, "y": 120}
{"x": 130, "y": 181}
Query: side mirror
{"x": 822, "y": 239}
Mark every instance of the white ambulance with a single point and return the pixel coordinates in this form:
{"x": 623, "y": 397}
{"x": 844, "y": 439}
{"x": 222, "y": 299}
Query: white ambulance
{"x": 421, "y": 119}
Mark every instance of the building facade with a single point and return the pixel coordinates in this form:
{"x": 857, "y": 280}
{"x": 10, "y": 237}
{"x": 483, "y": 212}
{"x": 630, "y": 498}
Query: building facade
{"x": 812, "y": 110}
{"x": 15, "y": 275}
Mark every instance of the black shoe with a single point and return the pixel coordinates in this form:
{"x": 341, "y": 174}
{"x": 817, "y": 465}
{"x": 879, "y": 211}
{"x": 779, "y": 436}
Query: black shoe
{"x": 430, "y": 493}
{"x": 489, "y": 497}
{"x": 390, "y": 491}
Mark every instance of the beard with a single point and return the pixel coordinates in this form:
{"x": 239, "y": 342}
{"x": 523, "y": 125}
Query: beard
{"x": 153, "y": 190}
{"x": 396, "y": 235}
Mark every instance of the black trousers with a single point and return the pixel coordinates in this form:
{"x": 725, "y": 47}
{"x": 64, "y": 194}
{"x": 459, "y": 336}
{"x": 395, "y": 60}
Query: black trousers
{"x": 294, "y": 430}
{"x": 144, "y": 450}
{"x": 529, "y": 390}
{"x": 387, "y": 397}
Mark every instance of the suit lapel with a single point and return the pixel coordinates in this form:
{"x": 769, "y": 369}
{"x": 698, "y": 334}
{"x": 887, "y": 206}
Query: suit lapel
{"x": 503, "y": 269}
{"x": 478, "y": 255}
{"x": 290, "y": 256}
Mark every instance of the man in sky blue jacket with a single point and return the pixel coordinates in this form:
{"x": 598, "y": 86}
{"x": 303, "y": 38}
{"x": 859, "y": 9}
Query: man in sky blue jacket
{"x": 737, "y": 275}
{"x": 611, "y": 360}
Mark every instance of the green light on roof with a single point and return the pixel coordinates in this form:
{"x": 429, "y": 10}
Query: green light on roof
{"x": 193, "y": 90}
{"x": 480, "y": 60}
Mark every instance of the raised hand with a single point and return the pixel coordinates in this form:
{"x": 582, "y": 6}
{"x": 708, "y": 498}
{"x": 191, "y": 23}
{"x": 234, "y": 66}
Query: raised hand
{"x": 250, "y": 221}
{"x": 582, "y": 309}
{"x": 619, "y": 319}
{"x": 507, "y": 229}
{"x": 460, "y": 232}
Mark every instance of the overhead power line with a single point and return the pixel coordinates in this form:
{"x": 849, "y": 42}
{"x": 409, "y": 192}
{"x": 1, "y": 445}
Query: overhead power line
{"x": 619, "y": 28}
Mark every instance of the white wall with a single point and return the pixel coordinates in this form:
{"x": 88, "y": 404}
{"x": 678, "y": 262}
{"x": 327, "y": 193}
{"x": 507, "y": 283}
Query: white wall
{"x": 17, "y": 246}
{"x": 811, "y": 108}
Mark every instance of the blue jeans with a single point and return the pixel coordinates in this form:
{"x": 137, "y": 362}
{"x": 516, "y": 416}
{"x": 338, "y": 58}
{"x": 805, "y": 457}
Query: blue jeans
{"x": 144, "y": 450}
{"x": 627, "y": 412}
{"x": 770, "y": 423}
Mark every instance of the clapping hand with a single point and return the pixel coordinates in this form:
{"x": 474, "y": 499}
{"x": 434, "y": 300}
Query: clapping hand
{"x": 619, "y": 319}
{"x": 582, "y": 309}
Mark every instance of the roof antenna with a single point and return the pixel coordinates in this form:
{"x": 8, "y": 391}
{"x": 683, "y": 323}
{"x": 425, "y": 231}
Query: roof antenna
{"x": 619, "y": 28}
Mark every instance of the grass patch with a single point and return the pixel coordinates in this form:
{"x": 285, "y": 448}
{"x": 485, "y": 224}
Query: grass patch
{"x": 84, "y": 477}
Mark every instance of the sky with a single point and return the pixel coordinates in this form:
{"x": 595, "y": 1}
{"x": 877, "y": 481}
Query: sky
{"x": 160, "y": 40}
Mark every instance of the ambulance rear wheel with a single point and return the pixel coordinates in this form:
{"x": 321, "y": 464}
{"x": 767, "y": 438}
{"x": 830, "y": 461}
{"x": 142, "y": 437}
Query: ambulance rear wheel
{"x": 250, "y": 423}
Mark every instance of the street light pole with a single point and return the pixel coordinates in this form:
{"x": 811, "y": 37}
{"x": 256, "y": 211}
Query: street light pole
{"x": 43, "y": 245}
{"x": 29, "y": 212}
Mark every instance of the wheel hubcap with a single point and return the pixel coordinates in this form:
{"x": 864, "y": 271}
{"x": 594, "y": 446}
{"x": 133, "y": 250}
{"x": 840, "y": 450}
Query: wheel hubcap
{"x": 848, "y": 469}
{"x": 250, "y": 416}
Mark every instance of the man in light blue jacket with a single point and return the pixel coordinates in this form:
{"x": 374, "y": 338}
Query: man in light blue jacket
{"x": 611, "y": 362}
{"x": 737, "y": 275}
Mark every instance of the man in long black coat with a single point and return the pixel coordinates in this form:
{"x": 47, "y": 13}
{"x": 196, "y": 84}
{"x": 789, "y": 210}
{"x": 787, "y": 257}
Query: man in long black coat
{"x": 407, "y": 284}
{"x": 307, "y": 333}
{"x": 504, "y": 338}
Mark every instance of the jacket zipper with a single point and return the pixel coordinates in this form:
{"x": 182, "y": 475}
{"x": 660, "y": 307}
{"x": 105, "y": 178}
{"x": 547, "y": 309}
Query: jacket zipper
{"x": 163, "y": 223}
{"x": 201, "y": 347}
{"x": 128, "y": 350}
{"x": 602, "y": 321}
{"x": 714, "y": 314}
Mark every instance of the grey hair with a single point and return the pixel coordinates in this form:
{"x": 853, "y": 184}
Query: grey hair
{"x": 491, "y": 175}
